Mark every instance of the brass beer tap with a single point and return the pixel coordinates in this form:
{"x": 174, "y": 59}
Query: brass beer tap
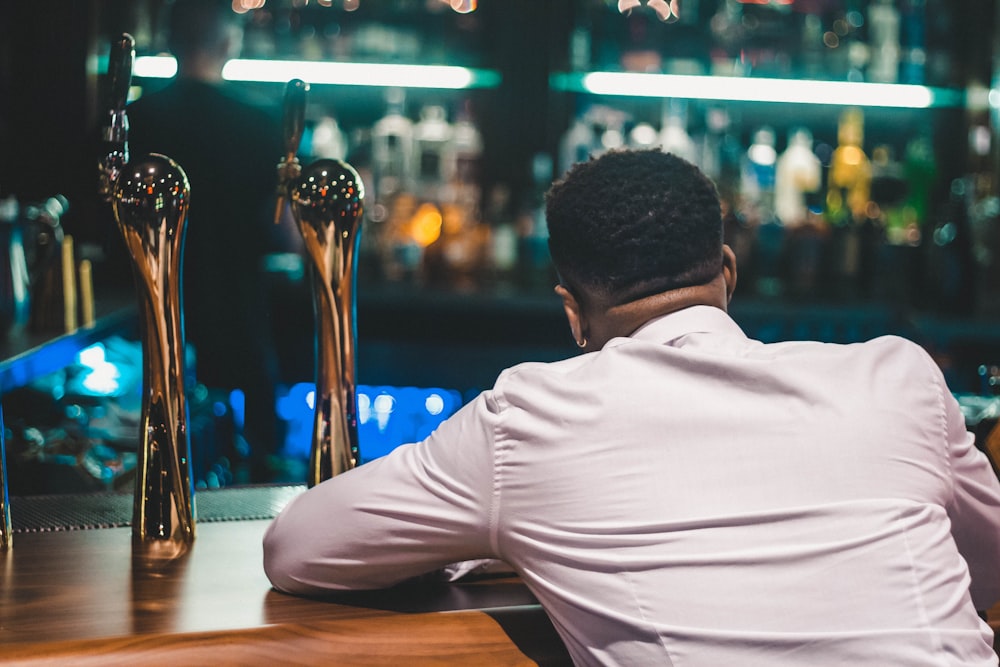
{"x": 114, "y": 134}
{"x": 150, "y": 198}
{"x": 326, "y": 200}
{"x": 293, "y": 125}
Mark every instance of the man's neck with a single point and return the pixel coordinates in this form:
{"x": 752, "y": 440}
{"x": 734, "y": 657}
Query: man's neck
{"x": 624, "y": 319}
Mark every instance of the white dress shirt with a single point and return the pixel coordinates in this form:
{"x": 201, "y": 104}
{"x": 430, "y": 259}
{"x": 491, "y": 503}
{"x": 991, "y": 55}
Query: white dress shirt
{"x": 688, "y": 496}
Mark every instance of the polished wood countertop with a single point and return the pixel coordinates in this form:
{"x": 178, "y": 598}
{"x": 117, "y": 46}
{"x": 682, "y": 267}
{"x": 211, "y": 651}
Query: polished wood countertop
{"x": 78, "y": 597}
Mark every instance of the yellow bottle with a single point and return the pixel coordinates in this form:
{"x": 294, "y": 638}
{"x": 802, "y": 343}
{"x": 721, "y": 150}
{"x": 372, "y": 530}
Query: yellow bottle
{"x": 849, "y": 185}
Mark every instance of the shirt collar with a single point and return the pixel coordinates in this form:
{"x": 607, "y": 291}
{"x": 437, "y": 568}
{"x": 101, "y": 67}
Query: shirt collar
{"x": 694, "y": 319}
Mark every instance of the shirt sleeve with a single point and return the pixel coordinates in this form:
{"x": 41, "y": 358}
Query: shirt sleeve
{"x": 417, "y": 509}
{"x": 974, "y": 508}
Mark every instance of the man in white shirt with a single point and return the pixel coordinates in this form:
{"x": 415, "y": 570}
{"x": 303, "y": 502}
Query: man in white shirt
{"x": 680, "y": 494}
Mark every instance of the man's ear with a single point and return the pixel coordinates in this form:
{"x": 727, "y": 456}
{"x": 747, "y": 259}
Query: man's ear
{"x": 574, "y": 314}
{"x": 729, "y": 270}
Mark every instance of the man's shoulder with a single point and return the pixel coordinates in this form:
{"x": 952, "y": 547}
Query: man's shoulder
{"x": 532, "y": 376}
{"x": 889, "y": 344}
{"x": 892, "y": 359}
{"x": 905, "y": 354}
{"x": 529, "y": 369}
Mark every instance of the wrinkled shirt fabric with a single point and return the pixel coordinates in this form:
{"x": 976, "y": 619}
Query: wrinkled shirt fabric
{"x": 689, "y": 496}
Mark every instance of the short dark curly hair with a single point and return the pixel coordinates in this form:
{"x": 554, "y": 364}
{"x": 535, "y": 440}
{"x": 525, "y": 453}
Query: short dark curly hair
{"x": 632, "y": 223}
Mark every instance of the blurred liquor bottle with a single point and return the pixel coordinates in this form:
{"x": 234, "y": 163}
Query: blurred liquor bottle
{"x": 459, "y": 257}
{"x": 812, "y": 50}
{"x": 913, "y": 41}
{"x": 921, "y": 172}
{"x": 578, "y": 142}
{"x": 965, "y": 239}
{"x": 721, "y": 154}
{"x": 534, "y": 269}
{"x": 721, "y": 159}
{"x": 883, "y": 38}
{"x": 757, "y": 197}
{"x": 768, "y": 38}
{"x": 951, "y": 264}
{"x": 609, "y": 127}
{"x": 643, "y": 136}
{"x": 889, "y": 193}
{"x": 463, "y": 156}
{"x": 456, "y": 259}
{"x": 502, "y": 243}
{"x": 728, "y": 33}
{"x": 385, "y": 240}
{"x": 392, "y": 149}
{"x": 847, "y": 199}
{"x": 758, "y": 176}
{"x": 798, "y": 179}
{"x": 431, "y": 137}
{"x": 984, "y": 212}
{"x": 798, "y": 174}
{"x": 898, "y": 264}
{"x": 674, "y": 137}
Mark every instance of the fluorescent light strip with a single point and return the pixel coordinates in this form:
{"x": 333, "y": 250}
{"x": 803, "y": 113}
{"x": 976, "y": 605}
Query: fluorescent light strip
{"x": 625, "y": 84}
{"x": 357, "y": 74}
{"x": 795, "y": 91}
{"x": 155, "y": 67}
{"x": 346, "y": 74}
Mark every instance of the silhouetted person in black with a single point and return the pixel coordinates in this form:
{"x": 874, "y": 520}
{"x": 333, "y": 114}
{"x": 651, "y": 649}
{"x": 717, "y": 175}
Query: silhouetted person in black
{"x": 229, "y": 149}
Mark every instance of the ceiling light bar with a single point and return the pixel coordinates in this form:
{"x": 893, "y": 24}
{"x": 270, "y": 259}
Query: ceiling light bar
{"x": 155, "y": 67}
{"x": 333, "y": 73}
{"x": 791, "y": 91}
{"x": 359, "y": 74}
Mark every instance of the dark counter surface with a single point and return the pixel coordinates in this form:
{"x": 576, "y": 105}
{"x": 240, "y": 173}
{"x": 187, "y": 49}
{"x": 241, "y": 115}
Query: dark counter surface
{"x": 76, "y": 596}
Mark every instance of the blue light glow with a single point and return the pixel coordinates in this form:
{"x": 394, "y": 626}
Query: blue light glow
{"x": 387, "y": 416}
{"x": 238, "y": 402}
{"x": 100, "y": 377}
{"x": 434, "y": 404}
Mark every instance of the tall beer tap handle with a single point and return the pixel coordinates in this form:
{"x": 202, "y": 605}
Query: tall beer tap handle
{"x": 294, "y": 119}
{"x": 120, "y": 70}
{"x": 115, "y": 133}
{"x": 293, "y": 125}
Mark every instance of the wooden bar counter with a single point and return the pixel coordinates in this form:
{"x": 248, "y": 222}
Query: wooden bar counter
{"x": 77, "y": 597}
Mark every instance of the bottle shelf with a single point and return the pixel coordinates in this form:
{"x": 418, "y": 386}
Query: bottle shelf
{"x": 753, "y": 89}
